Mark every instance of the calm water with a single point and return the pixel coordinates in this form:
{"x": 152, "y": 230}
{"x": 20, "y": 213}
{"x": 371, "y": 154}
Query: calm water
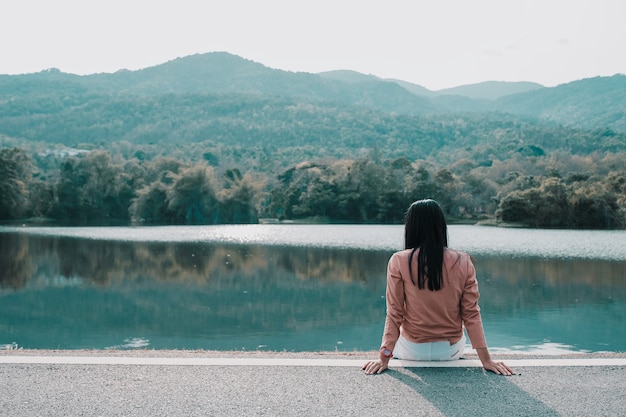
{"x": 293, "y": 287}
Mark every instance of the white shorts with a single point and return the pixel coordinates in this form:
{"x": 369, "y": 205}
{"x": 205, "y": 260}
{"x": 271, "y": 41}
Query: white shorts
{"x": 431, "y": 351}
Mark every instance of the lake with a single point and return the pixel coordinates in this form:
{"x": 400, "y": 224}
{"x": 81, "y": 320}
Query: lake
{"x": 291, "y": 287}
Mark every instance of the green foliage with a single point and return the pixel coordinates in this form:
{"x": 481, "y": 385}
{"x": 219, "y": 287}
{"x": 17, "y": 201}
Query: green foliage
{"x": 594, "y": 103}
{"x": 14, "y": 178}
{"x": 97, "y": 188}
{"x": 553, "y": 204}
{"x": 215, "y": 138}
{"x": 192, "y": 195}
{"x": 90, "y": 189}
{"x": 150, "y": 205}
{"x": 240, "y": 197}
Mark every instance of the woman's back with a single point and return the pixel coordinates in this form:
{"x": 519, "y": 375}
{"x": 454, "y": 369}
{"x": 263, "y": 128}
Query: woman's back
{"x": 429, "y": 316}
{"x": 431, "y": 293}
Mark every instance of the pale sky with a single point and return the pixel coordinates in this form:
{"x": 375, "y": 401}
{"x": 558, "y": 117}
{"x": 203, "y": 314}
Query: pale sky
{"x": 433, "y": 43}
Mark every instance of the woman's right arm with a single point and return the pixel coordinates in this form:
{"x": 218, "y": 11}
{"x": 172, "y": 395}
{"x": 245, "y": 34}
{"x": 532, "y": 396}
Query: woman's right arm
{"x": 474, "y": 325}
{"x": 499, "y": 368}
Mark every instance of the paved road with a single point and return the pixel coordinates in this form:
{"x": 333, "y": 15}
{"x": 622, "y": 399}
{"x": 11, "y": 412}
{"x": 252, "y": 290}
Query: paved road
{"x": 192, "y": 385}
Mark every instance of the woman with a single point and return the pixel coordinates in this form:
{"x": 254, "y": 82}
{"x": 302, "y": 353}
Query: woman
{"x": 431, "y": 293}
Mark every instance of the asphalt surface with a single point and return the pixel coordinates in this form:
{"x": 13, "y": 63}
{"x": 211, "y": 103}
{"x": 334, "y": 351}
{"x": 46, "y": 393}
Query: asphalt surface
{"x": 186, "y": 384}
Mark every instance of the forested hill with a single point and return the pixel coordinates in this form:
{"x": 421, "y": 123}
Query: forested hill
{"x": 598, "y": 103}
{"x": 220, "y": 73}
{"x": 594, "y": 103}
{"x": 215, "y": 138}
{"x": 231, "y": 101}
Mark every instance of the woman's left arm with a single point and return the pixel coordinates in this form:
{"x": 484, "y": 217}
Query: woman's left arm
{"x": 394, "y": 296}
{"x": 377, "y": 367}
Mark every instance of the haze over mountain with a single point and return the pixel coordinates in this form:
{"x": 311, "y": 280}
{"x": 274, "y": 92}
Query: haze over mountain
{"x": 490, "y": 90}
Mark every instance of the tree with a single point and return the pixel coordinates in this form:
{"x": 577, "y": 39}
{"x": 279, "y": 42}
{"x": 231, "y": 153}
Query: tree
{"x": 518, "y": 207}
{"x": 239, "y": 198}
{"x": 67, "y": 204}
{"x": 15, "y": 175}
{"x": 418, "y": 183}
{"x": 89, "y": 188}
{"x": 543, "y": 206}
{"x": 393, "y": 199}
{"x": 192, "y": 197}
{"x": 150, "y": 205}
{"x": 41, "y": 196}
{"x": 595, "y": 207}
{"x": 297, "y": 193}
{"x": 359, "y": 190}
{"x": 552, "y": 204}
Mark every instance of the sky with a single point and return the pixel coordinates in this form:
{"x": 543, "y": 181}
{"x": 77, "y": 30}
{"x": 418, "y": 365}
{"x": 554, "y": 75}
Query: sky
{"x": 433, "y": 43}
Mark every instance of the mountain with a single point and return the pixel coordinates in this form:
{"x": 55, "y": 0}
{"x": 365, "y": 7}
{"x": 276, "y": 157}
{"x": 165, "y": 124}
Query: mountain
{"x": 414, "y": 88}
{"x": 490, "y": 90}
{"x": 348, "y": 76}
{"x": 593, "y": 103}
{"x": 224, "y": 73}
{"x": 219, "y": 73}
{"x": 597, "y": 103}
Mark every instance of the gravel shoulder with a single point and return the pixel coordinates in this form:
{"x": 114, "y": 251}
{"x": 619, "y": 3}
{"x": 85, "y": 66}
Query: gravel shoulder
{"x": 58, "y": 389}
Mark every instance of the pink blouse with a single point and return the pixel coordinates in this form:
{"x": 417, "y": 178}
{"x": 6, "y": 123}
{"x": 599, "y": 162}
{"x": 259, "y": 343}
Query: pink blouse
{"x": 431, "y": 316}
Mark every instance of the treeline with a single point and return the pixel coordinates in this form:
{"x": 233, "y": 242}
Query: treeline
{"x": 94, "y": 188}
{"x": 368, "y": 192}
{"x": 98, "y": 187}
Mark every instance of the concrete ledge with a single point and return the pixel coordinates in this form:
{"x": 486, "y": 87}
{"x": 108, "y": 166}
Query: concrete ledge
{"x": 303, "y": 384}
{"x": 242, "y": 361}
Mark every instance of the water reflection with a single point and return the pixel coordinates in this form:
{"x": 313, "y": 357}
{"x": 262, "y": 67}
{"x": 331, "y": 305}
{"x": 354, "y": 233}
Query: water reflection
{"x": 33, "y": 260}
{"x": 63, "y": 292}
{"x": 523, "y": 283}
{"x": 550, "y": 305}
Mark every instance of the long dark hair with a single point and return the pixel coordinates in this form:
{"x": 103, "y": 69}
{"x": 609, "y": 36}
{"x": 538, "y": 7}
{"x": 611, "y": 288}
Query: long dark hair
{"x": 425, "y": 230}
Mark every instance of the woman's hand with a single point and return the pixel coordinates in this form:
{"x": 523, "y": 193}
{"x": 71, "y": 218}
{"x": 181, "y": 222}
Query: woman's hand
{"x": 376, "y": 367}
{"x": 499, "y": 368}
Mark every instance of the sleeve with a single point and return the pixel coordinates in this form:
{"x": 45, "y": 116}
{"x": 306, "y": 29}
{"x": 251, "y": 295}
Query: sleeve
{"x": 470, "y": 311}
{"x": 395, "y": 304}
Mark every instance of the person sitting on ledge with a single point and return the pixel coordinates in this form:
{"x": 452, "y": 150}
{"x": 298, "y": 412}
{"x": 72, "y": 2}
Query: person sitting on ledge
{"x": 431, "y": 293}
